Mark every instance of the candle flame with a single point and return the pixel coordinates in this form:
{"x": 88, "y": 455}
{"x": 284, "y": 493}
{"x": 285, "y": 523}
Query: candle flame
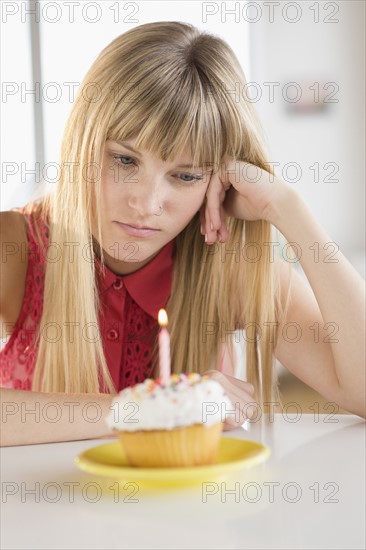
{"x": 162, "y": 318}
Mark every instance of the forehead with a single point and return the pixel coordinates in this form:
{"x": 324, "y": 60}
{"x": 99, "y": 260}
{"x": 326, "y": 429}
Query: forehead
{"x": 184, "y": 157}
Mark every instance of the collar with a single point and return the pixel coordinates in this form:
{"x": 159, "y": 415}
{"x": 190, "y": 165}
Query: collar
{"x": 150, "y": 285}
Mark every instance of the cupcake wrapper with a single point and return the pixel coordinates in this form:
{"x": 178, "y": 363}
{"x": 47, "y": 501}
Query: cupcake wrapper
{"x": 187, "y": 446}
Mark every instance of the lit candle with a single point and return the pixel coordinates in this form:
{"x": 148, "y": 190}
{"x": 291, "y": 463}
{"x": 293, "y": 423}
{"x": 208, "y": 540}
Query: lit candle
{"x": 164, "y": 347}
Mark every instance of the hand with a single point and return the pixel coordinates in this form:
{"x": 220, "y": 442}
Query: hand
{"x": 240, "y": 190}
{"x": 240, "y": 394}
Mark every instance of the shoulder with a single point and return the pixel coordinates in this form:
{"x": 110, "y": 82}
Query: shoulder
{"x": 13, "y": 223}
{"x": 13, "y": 233}
{"x": 14, "y": 262}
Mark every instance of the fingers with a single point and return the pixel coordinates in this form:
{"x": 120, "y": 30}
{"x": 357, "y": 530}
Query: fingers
{"x": 240, "y": 394}
{"x": 212, "y": 215}
{"x": 228, "y": 427}
{"x": 223, "y": 232}
{"x": 240, "y": 414}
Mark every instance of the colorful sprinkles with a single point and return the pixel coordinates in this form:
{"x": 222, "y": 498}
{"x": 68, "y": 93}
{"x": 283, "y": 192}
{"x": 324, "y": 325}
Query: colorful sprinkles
{"x": 175, "y": 381}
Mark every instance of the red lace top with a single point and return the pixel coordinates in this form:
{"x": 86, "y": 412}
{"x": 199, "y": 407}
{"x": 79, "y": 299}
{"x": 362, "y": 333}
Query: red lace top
{"x": 128, "y": 316}
{"x": 127, "y": 319}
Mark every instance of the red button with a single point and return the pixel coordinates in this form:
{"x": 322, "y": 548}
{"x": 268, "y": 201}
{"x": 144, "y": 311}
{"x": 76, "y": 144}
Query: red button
{"x": 118, "y": 284}
{"x": 112, "y": 334}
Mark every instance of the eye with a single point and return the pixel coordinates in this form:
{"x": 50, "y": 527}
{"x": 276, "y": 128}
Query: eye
{"x": 193, "y": 178}
{"x": 121, "y": 160}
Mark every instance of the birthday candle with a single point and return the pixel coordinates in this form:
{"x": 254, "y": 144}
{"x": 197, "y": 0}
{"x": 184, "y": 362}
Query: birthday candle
{"x": 164, "y": 347}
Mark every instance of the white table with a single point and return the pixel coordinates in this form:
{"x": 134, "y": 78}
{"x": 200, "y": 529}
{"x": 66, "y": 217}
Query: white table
{"x": 309, "y": 494}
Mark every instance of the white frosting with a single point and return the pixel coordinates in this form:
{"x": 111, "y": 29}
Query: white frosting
{"x": 185, "y": 400}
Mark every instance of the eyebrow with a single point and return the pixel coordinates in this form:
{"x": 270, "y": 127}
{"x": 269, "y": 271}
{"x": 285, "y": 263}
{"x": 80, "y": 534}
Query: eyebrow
{"x": 123, "y": 144}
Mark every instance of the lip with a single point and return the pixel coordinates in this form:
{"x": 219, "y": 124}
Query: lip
{"x": 136, "y": 231}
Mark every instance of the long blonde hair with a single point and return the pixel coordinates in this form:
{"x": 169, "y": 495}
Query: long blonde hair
{"x": 167, "y": 84}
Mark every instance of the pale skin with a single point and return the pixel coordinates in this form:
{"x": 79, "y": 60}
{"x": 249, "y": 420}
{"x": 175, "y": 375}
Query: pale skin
{"x": 335, "y": 369}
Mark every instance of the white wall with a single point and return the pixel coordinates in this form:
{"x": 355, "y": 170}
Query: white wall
{"x": 17, "y": 122}
{"x": 304, "y": 52}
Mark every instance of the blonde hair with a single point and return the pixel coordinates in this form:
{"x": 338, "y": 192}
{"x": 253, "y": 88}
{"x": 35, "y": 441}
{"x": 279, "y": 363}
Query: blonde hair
{"x": 165, "y": 83}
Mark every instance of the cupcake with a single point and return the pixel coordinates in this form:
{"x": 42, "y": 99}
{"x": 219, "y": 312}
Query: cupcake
{"x": 170, "y": 425}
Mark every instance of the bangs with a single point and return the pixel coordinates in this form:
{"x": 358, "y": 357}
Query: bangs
{"x": 169, "y": 115}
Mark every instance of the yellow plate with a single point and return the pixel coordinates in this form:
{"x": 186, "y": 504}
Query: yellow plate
{"x": 234, "y": 454}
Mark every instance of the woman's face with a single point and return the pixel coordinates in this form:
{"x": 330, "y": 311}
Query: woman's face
{"x": 139, "y": 189}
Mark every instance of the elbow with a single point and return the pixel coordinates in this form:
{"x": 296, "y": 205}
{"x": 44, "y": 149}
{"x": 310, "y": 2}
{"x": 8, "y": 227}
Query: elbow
{"x": 353, "y": 405}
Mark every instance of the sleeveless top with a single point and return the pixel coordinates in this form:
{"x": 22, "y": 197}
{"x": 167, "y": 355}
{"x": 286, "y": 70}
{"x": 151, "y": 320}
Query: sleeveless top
{"x": 127, "y": 319}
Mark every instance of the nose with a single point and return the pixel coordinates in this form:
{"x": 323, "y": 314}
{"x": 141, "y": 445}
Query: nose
{"x": 145, "y": 199}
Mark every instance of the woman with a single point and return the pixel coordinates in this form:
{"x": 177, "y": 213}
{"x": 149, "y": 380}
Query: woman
{"x": 155, "y": 140}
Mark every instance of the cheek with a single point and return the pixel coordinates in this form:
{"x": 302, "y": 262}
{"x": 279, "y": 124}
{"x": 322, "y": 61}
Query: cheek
{"x": 186, "y": 204}
{"x": 111, "y": 189}
{"x": 198, "y": 198}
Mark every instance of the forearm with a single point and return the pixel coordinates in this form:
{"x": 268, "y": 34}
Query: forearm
{"x": 338, "y": 289}
{"x": 35, "y": 417}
